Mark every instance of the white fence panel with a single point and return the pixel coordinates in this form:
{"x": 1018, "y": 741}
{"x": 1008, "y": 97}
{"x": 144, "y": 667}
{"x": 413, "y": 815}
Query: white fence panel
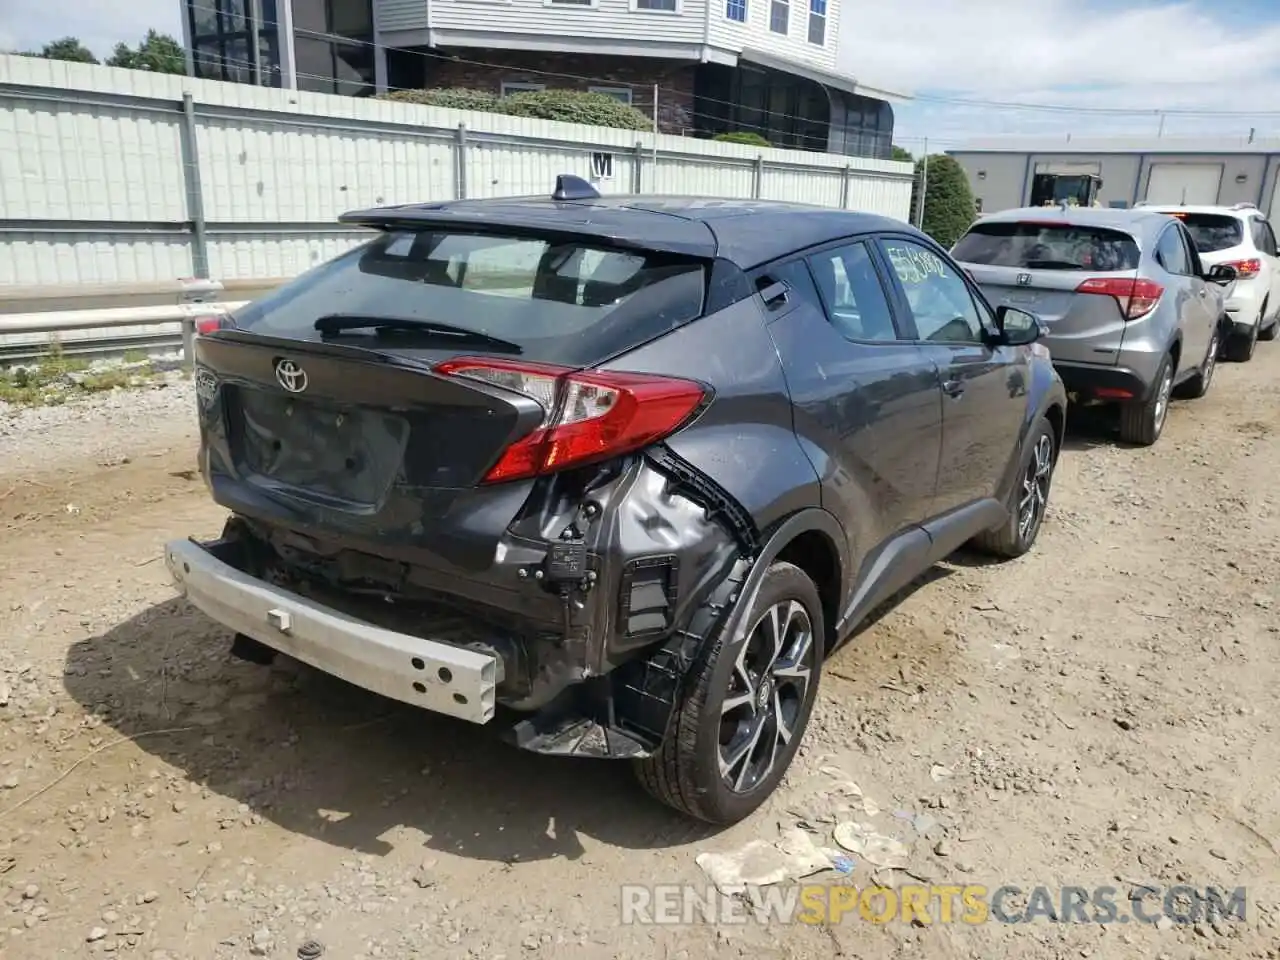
{"x": 110, "y": 176}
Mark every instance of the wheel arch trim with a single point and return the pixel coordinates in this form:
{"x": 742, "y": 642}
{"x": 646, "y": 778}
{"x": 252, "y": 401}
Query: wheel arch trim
{"x": 808, "y": 520}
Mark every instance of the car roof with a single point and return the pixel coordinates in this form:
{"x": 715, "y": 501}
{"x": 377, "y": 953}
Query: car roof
{"x": 745, "y": 232}
{"x": 1249, "y": 211}
{"x": 1144, "y": 221}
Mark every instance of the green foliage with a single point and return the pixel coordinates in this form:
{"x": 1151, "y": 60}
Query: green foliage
{"x": 571, "y": 106}
{"x": 902, "y": 153}
{"x": 56, "y": 378}
{"x": 746, "y": 137}
{"x": 575, "y": 106}
{"x": 948, "y": 201}
{"x": 68, "y": 48}
{"x": 456, "y": 98}
{"x": 157, "y": 53}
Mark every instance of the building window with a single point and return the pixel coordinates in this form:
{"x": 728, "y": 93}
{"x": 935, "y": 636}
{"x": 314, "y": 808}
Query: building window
{"x": 570, "y": 3}
{"x": 663, "y": 6}
{"x": 779, "y": 15}
{"x": 818, "y": 22}
{"x": 519, "y": 86}
{"x": 621, "y": 94}
{"x": 222, "y": 41}
{"x": 333, "y": 46}
{"x": 736, "y": 10}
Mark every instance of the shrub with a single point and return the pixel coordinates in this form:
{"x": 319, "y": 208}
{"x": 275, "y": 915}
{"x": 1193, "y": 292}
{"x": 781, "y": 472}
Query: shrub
{"x": 948, "y": 201}
{"x": 745, "y": 137}
{"x": 571, "y": 106}
{"x": 456, "y": 98}
{"x": 574, "y": 106}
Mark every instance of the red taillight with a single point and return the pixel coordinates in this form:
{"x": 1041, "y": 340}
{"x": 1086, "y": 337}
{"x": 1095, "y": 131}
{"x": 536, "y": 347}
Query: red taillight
{"x": 1246, "y": 269}
{"x": 1136, "y": 298}
{"x": 591, "y": 415}
{"x": 207, "y": 325}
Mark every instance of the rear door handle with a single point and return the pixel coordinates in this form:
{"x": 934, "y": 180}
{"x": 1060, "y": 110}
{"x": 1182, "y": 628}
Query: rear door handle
{"x": 953, "y": 388}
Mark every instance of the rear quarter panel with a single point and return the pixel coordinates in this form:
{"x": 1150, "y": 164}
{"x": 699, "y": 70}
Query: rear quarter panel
{"x": 745, "y": 440}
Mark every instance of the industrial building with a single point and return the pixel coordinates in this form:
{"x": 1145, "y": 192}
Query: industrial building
{"x": 1012, "y": 172}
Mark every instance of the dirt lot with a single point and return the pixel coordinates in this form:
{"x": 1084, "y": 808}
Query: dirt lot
{"x": 1100, "y": 713}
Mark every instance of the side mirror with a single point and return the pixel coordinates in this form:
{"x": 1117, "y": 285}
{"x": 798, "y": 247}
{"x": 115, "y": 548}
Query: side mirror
{"x": 1018, "y": 327}
{"x": 1222, "y": 274}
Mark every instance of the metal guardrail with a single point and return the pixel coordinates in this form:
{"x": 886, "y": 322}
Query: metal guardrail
{"x": 145, "y": 326}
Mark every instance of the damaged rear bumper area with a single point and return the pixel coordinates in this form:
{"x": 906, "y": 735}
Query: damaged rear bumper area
{"x": 575, "y": 638}
{"x": 427, "y": 673}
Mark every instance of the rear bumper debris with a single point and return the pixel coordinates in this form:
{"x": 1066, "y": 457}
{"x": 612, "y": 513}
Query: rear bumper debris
{"x": 436, "y": 676}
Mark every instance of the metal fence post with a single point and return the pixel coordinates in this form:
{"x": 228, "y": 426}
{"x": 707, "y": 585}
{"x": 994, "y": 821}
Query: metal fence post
{"x": 188, "y": 340}
{"x": 637, "y": 168}
{"x": 844, "y": 188}
{"x": 757, "y": 179}
{"x": 460, "y": 163}
{"x": 195, "y": 191}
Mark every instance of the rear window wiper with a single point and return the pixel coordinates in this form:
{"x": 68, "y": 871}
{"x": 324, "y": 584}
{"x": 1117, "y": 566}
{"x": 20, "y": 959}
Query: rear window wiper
{"x": 334, "y": 323}
{"x": 1051, "y": 265}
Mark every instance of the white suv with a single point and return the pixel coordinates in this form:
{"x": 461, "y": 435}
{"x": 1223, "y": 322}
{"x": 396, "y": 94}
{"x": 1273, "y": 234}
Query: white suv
{"x": 1241, "y": 236}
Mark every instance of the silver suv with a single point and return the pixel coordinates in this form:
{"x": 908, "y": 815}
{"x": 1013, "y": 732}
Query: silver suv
{"x": 1132, "y": 314}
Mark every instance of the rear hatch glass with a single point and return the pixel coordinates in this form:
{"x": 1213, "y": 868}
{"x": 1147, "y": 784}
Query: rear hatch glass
{"x": 1213, "y": 231}
{"x": 1048, "y": 246}
{"x": 543, "y": 299}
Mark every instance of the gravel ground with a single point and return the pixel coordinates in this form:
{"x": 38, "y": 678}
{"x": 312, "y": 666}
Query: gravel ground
{"x": 95, "y": 427}
{"x": 1099, "y": 713}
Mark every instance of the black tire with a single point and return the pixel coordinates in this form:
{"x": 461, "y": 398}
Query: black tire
{"x": 1142, "y": 421}
{"x": 1013, "y": 538}
{"x": 1199, "y": 384}
{"x": 1240, "y": 346}
{"x": 1271, "y": 332}
{"x": 686, "y": 770}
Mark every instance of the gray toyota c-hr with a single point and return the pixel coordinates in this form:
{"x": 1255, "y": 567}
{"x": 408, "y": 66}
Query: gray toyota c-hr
{"x": 613, "y": 475}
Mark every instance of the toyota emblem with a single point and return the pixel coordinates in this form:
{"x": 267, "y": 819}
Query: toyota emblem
{"x": 291, "y": 376}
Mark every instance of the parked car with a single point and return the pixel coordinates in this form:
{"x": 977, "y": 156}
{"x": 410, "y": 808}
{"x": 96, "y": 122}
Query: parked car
{"x": 1241, "y": 236}
{"x": 1132, "y": 314}
{"x": 615, "y": 475}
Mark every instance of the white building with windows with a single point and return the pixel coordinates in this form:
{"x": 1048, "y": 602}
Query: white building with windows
{"x": 718, "y": 66}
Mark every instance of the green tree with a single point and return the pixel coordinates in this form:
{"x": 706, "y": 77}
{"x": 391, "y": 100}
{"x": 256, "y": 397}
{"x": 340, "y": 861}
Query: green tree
{"x": 902, "y": 153}
{"x": 157, "y": 53}
{"x": 68, "y": 48}
{"x": 948, "y": 201}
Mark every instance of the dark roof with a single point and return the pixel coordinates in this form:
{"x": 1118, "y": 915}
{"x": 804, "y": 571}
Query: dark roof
{"x": 745, "y": 232}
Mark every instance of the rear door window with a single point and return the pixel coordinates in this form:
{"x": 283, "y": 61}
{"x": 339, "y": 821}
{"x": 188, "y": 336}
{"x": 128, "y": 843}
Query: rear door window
{"x": 1263, "y": 238}
{"x": 1213, "y": 231}
{"x": 558, "y": 300}
{"x": 853, "y": 293}
{"x": 1047, "y": 246}
{"x": 1171, "y": 253}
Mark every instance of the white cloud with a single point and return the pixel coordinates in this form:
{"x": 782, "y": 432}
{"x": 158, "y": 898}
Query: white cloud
{"x": 1083, "y": 53}
{"x": 98, "y": 24}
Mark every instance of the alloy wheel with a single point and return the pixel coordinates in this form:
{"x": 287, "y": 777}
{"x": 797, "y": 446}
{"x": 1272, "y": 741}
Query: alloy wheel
{"x": 767, "y": 690}
{"x": 1162, "y": 399}
{"x": 1035, "y": 488}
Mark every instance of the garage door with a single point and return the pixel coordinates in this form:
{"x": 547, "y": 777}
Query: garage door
{"x": 1184, "y": 183}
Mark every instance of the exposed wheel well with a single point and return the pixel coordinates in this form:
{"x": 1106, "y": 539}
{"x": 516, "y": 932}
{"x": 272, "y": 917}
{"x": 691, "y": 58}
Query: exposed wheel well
{"x": 1058, "y": 420}
{"x": 815, "y": 554}
{"x": 1175, "y": 353}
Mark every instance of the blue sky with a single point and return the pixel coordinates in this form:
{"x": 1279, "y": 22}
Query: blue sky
{"x": 1087, "y": 54}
